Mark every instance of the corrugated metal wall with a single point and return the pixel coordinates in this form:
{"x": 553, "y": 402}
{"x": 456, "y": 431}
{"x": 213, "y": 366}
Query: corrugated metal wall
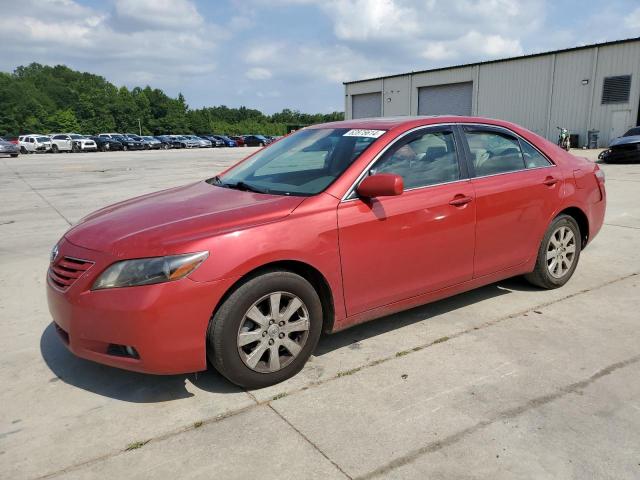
{"x": 517, "y": 91}
{"x": 539, "y": 93}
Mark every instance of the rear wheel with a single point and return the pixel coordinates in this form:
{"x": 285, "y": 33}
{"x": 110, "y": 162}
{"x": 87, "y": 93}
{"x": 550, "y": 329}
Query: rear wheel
{"x": 266, "y": 330}
{"x": 23, "y": 150}
{"x": 14, "y": 155}
{"x": 124, "y": 148}
{"x": 558, "y": 254}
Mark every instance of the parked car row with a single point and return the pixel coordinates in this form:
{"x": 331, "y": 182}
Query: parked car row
{"x": 73, "y": 142}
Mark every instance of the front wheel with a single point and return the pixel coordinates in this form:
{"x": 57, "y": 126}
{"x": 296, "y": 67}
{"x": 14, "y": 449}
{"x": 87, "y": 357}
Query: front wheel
{"x": 558, "y": 254}
{"x": 54, "y": 148}
{"x": 266, "y": 330}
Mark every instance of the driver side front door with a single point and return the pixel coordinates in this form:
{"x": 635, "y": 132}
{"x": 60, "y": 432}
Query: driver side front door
{"x": 394, "y": 248}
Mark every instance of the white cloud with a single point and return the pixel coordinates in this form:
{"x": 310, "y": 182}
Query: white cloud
{"x": 258, "y": 73}
{"x": 633, "y": 20}
{"x": 138, "y": 42}
{"x": 164, "y": 14}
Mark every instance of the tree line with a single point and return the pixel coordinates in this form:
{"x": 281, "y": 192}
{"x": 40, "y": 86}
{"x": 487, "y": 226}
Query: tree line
{"x": 40, "y": 99}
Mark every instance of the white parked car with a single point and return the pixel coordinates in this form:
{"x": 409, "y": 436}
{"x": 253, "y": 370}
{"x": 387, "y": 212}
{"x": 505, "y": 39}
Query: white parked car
{"x": 34, "y": 143}
{"x": 72, "y": 142}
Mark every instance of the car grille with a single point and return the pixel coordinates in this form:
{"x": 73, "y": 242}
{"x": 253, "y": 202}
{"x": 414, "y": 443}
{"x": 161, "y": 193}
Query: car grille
{"x": 66, "y": 270}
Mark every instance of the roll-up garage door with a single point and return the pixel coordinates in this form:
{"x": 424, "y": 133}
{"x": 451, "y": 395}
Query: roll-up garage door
{"x": 366, "y": 105}
{"x": 451, "y": 99}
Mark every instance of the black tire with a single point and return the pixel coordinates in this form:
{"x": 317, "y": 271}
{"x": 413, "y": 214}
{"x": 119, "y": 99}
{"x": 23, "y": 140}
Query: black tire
{"x": 14, "y": 155}
{"x": 541, "y": 276}
{"x": 224, "y": 326}
{"x": 23, "y": 150}
{"x": 54, "y": 148}
{"x": 124, "y": 148}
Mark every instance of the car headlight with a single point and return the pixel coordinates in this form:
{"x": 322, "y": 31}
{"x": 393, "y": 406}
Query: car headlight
{"x": 148, "y": 271}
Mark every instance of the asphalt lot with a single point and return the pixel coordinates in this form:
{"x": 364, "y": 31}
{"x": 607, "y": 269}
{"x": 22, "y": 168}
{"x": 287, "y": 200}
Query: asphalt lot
{"x": 503, "y": 382}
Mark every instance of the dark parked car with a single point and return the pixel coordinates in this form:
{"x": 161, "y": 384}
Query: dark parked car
{"x": 255, "y": 141}
{"x": 623, "y": 149}
{"x": 238, "y": 139}
{"x": 170, "y": 141}
{"x": 107, "y": 144}
{"x": 127, "y": 142}
{"x": 8, "y": 148}
{"x": 226, "y": 141}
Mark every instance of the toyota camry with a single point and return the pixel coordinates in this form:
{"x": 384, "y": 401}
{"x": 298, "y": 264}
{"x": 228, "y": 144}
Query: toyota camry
{"x": 334, "y": 225}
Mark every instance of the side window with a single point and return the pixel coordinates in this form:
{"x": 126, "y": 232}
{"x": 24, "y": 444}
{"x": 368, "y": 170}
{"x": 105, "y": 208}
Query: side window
{"x": 427, "y": 159}
{"x": 492, "y": 152}
{"x": 532, "y": 157}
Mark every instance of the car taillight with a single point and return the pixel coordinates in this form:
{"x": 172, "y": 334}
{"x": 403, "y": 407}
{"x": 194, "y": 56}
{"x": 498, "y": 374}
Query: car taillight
{"x": 599, "y": 174}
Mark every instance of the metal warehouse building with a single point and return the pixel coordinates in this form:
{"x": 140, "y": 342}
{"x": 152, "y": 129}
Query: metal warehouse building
{"x": 594, "y": 87}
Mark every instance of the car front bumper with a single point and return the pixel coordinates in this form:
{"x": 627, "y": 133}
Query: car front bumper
{"x": 165, "y": 323}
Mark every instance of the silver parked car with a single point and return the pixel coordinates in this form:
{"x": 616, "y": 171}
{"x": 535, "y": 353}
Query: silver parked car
{"x": 187, "y": 141}
{"x": 202, "y": 142}
{"x": 8, "y": 148}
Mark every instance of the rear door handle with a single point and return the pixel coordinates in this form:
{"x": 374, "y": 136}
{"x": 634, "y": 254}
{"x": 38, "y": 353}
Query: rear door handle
{"x": 460, "y": 200}
{"x": 550, "y": 181}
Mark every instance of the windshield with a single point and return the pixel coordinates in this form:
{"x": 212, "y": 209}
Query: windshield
{"x": 304, "y": 163}
{"x": 76, "y": 136}
{"x": 43, "y": 139}
{"x": 118, "y": 137}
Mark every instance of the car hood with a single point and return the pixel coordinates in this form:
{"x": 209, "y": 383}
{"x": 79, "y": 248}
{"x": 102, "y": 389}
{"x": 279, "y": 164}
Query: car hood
{"x": 166, "y": 222}
{"x": 625, "y": 140}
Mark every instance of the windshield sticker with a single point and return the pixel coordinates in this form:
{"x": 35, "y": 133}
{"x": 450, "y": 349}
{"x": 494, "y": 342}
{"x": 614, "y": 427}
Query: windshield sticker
{"x": 364, "y": 133}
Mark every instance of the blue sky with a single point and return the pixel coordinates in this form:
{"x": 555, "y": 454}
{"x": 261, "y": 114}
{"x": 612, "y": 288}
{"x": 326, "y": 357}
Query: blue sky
{"x": 275, "y": 54}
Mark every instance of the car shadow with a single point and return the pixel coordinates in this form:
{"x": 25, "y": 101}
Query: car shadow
{"x": 143, "y": 388}
{"x": 364, "y": 331}
{"x": 122, "y": 384}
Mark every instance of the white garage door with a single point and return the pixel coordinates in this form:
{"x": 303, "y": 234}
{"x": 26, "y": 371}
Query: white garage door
{"x": 366, "y": 105}
{"x": 451, "y": 99}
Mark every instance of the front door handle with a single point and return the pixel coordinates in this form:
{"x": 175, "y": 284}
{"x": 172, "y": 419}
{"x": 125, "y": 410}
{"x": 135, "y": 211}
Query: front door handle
{"x": 550, "y": 181}
{"x": 460, "y": 200}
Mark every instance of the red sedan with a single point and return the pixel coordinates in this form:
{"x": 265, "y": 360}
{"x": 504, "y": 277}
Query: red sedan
{"x": 332, "y": 226}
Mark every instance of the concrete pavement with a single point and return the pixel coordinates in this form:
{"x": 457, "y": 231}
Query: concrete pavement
{"x": 503, "y": 382}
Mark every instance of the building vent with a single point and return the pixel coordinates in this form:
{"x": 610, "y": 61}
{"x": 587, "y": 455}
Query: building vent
{"x": 616, "y": 89}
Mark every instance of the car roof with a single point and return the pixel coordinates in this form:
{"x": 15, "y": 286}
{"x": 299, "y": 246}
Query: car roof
{"x": 390, "y": 123}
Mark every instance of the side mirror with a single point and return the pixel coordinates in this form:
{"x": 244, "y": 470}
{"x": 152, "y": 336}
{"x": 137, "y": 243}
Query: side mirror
{"x": 381, "y": 185}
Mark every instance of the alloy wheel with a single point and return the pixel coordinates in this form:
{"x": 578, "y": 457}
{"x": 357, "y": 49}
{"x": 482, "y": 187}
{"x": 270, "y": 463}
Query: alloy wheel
{"x": 561, "y": 251}
{"x": 273, "y": 332}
